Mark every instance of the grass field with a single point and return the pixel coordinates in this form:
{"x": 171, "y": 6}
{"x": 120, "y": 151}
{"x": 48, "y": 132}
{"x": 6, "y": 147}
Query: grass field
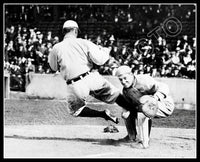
{"x": 54, "y": 112}
{"x": 45, "y": 129}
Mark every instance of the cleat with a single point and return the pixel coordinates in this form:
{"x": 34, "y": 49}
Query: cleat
{"x": 109, "y": 116}
{"x": 139, "y": 145}
{"x": 127, "y": 140}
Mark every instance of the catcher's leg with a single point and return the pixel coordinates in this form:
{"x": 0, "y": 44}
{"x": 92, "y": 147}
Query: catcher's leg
{"x": 150, "y": 124}
{"x": 130, "y": 123}
{"x": 143, "y": 127}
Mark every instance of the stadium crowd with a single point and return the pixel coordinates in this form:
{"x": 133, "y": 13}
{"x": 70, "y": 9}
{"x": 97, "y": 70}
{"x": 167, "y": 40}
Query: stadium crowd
{"x": 27, "y": 48}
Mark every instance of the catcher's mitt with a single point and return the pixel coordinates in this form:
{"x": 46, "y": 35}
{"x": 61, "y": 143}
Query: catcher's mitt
{"x": 149, "y": 105}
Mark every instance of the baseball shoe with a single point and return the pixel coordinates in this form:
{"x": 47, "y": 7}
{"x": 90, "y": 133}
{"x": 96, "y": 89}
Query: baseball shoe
{"x": 127, "y": 139}
{"x": 139, "y": 145}
{"x": 111, "y": 117}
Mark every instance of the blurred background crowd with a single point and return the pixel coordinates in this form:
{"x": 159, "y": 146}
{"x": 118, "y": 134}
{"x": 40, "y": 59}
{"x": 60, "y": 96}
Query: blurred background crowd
{"x": 30, "y": 32}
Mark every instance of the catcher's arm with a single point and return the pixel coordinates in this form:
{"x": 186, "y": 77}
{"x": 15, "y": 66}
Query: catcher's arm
{"x": 162, "y": 91}
{"x": 157, "y": 89}
{"x": 149, "y": 103}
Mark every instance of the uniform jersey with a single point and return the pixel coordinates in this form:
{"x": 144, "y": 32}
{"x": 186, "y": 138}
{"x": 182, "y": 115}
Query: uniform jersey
{"x": 147, "y": 85}
{"x": 74, "y": 56}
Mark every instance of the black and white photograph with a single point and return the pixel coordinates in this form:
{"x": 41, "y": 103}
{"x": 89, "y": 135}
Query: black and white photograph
{"x": 99, "y": 80}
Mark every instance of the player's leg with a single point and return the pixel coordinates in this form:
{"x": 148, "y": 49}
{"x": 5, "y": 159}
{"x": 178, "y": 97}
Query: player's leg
{"x": 130, "y": 123}
{"x": 110, "y": 94}
{"x": 105, "y": 91}
{"x": 146, "y": 136}
{"x": 143, "y": 128}
{"x": 87, "y": 112}
{"x": 78, "y": 93}
{"x": 150, "y": 125}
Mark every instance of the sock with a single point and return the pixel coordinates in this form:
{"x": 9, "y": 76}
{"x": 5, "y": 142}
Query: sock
{"x": 150, "y": 124}
{"x": 87, "y": 112}
{"x": 130, "y": 124}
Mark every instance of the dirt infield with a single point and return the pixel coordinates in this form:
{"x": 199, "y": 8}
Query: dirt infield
{"x": 44, "y": 129}
{"x": 86, "y": 141}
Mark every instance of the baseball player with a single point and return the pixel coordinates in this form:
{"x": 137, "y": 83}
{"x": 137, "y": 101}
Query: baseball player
{"x": 148, "y": 97}
{"x": 74, "y": 57}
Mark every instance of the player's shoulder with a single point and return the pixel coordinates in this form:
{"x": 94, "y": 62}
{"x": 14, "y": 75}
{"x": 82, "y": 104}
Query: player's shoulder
{"x": 87, "y": 43}
{"x": 144, "y": 79}
{"x": 84, "y": 41}
{"x": 143, "y": 76}
{"x": 57, "y": 45}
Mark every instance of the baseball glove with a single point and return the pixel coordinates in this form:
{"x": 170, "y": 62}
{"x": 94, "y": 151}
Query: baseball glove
{"x": 149, "y": 105}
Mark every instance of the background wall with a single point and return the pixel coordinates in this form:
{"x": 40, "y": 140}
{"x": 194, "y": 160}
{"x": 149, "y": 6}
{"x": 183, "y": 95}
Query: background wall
{"x": 182, "y": 90}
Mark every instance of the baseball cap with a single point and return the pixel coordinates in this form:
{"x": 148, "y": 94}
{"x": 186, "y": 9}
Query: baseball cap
{"x": 124, "y": 69}
{"x": 70, "y": 24}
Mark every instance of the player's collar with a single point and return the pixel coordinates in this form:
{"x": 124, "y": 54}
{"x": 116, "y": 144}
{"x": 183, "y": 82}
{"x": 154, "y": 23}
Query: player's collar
{"x": 134, "y": 81}
{"x": 69, "y": 36}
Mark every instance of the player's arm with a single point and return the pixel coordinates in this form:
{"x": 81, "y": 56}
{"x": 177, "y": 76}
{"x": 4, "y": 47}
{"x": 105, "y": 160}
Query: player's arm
{"x": 98, "y": 54}
{"x": 162, "y": 91}
{"x": 157, "y": 89}
{"x": 53, "y": 60}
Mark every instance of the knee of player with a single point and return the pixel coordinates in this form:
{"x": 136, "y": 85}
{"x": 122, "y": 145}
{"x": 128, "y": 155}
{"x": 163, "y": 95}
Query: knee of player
{"x": 141, "y": 117}
{"x": 125, "y": 114}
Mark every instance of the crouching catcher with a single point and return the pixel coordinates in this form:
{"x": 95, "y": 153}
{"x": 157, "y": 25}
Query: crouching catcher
{"x": 149, "y": 99}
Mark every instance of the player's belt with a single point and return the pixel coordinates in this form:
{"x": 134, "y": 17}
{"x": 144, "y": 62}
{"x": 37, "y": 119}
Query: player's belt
{"x": 77, "y": 78}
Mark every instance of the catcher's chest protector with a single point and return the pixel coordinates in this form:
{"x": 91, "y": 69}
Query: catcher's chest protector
{"x": 133, "y": 95}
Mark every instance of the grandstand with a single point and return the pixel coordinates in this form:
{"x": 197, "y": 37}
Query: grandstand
{"x": 27, "y": 43}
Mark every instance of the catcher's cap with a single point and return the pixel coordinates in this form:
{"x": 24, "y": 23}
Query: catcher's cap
{"x": 70, "y": 24}
{"x": 124, "y": 69}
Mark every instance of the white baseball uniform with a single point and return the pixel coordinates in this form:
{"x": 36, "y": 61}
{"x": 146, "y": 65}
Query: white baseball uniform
{"x": 74, "y": 57}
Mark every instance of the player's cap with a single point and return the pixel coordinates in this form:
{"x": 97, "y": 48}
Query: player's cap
{"x": 70, "y": 24}
{"x": 124, "y": 69}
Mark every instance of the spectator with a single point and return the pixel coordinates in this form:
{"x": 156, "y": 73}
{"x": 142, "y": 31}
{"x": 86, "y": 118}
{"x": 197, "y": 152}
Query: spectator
{"x": 178, "y": 57}
{"x": 175, "y": 58}
{"x": 40, "y": 69}
{"x": 55, "y": 40}
{"x": 30, "y": 69}
{"x": 191, "y": 70}
{"x": 187, "y": 59}
{"x": 39, "y": 37}
{"x": 48, "y": 37}
{"x": 10, "y": 51}
{"x": 11, "y": 34}
{"x": 176, "y": 72}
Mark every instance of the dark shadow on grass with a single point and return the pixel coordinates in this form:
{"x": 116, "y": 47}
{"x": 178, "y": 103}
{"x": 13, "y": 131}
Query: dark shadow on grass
{"x": 93, "y": 140}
